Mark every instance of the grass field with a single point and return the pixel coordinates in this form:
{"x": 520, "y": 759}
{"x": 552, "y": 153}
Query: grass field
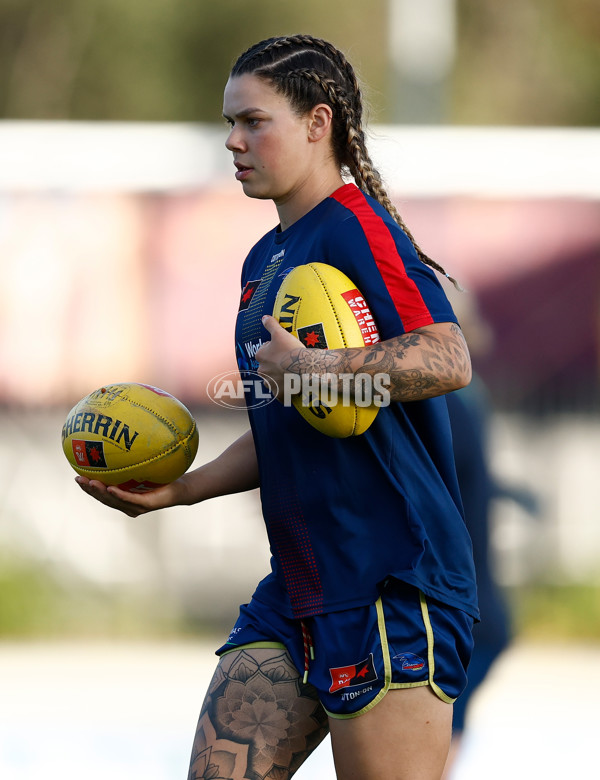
{"x": 551, "y": 612}
{"x": 38, "y": 605}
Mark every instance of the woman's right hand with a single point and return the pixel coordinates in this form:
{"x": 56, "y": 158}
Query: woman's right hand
{"x": 233, "y": 471}
{"x": 132, "y": 504}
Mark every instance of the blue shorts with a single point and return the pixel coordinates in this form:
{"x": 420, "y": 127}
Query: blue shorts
{"x": 354, "y": 657}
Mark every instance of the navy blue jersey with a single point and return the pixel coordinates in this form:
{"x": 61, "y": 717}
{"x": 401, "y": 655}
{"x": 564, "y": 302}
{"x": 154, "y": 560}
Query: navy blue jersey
{"x": 343, "y": 515}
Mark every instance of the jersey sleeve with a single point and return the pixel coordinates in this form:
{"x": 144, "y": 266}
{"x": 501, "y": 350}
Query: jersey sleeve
{"x": 402, "y": 292}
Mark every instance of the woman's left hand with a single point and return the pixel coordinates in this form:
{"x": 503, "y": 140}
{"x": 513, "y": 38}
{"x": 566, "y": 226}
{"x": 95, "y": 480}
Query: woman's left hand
{"x": 275, "y": 356}
{"x": 422, "y": 363}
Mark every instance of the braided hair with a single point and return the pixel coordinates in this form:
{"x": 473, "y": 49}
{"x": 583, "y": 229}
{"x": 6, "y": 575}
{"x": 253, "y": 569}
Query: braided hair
{"x": 308, "y": 71}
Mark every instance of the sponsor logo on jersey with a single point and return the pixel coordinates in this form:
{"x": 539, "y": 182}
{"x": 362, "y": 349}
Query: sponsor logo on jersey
{"x": 313, "y": 336}
{"x": 278, "y": 256}
{"x": 252, "y": 347}
{"x": 343, "y": 677}
{"x": 410, "y": 662}
{"x": 248, "y": 293}
{"x": 89, "y": 453}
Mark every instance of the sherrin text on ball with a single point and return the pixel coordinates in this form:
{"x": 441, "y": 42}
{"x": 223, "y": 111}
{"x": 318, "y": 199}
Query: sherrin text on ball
{"x": 132, "y": 435}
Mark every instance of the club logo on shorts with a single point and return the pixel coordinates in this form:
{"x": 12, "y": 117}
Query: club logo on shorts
{"x": 410, "y": 662}
{"x": 352, "y": 676}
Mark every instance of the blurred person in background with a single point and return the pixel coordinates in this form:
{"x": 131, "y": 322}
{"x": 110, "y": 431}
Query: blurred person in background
{"x": 470, "y": 413}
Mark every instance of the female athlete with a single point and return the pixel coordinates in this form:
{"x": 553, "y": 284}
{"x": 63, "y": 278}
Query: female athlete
{"x": 363, "y": 626}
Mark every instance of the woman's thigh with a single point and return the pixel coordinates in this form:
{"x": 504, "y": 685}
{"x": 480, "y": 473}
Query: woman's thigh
{"x": 258, "y": 717}
{"x": 405, "y": 737}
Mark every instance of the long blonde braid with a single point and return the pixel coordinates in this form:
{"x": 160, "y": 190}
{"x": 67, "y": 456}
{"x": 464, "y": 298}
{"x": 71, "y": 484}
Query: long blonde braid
{"x": 291, "y": 63}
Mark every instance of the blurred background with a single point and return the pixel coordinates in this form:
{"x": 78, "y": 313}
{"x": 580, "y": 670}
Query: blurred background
{"x": 122, "y": 234}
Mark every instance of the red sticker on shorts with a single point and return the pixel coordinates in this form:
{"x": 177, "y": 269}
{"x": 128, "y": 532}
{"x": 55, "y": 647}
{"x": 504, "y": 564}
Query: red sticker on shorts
{"x": 353, "y": 676}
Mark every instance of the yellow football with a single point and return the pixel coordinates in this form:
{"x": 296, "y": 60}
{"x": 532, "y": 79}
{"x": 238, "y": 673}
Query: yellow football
{"x": 319, "y": 305}
{"x": 131, "y": 435}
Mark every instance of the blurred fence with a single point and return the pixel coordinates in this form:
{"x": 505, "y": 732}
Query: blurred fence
{"x": 121, "y": 248}
{"x": 120, "y": 253}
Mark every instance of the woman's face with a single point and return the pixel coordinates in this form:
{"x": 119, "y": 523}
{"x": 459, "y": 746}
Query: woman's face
{"x": 270, "y": 143}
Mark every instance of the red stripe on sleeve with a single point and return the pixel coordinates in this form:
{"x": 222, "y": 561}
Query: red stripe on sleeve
{"x": 405, "y": 294}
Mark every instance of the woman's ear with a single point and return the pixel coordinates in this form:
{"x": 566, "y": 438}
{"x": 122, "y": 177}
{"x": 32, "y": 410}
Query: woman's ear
{"x": 320, "y": 122}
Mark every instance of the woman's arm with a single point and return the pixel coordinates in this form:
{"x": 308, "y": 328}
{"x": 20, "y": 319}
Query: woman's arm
{"x": 234, "y": 471}
{"x": 421, "y": 364}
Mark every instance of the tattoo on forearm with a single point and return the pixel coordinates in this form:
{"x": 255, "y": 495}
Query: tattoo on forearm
{"x": 420, "y": 364}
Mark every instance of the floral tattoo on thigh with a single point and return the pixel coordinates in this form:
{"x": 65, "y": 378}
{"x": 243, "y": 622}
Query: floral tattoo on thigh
{"x": 259, "y": 720}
